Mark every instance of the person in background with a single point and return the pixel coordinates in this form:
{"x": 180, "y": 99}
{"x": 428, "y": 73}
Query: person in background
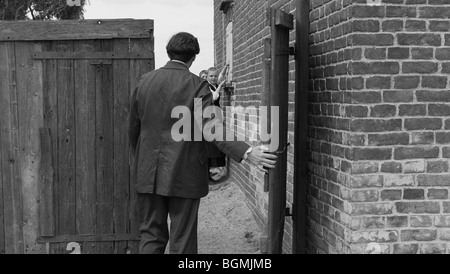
{"x": 217, "y": 160}
{"x": 203, "y": 74}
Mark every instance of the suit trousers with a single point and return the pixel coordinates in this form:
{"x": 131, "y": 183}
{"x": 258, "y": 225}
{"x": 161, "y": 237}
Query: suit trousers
{"x": 153, "y": 211}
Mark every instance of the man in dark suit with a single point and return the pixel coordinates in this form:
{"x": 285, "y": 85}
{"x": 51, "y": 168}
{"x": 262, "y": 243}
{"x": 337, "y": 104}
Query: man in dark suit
{"x": 172, "y": 176}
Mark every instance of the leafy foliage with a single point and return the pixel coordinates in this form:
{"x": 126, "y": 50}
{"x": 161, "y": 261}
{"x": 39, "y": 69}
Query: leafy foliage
{"x": 40, "y": 10}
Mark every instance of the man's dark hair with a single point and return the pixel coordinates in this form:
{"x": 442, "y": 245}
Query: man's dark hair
{"x": 182, "y": 47}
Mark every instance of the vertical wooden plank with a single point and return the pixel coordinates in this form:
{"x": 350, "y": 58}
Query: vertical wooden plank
{"x": 6, "y": 157}
{"x": 12, "y": 188}
{"x": 121, "y": 145}
{"x": 104, "y": 146}
{"x": 50, "y": 112}
{"x": 85, "y": 130}
{"x": 46, "y": 214}
{"x": 4, "y": 130}
{"x": 137, "y": 69}
{"x": 66, "y": 179}
{"x": 30, "y": 93}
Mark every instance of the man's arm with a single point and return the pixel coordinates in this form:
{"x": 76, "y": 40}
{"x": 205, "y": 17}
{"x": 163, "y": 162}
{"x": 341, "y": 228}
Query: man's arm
{"x": 134, "y": 124}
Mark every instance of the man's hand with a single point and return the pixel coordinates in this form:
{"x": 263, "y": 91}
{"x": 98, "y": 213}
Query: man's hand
{"x": 258, "y": 157}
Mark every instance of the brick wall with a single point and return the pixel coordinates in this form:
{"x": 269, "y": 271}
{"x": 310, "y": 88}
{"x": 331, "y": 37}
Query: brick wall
{"x": 330, "y": 140}
{"x": 378, "y": 126}
{"x": 250, "y": 28}
{"x": 399, "y": 164}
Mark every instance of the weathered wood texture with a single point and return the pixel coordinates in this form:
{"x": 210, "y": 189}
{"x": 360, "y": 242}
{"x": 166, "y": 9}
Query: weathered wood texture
{"x": 64, "y": 149}
{"x": 75, "y": 30}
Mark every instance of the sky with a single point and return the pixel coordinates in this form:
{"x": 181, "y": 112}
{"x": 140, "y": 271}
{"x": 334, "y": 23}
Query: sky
{"x": 170, "y": 17}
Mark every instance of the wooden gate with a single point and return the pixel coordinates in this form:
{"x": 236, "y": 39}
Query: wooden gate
{"x": 64, "y": 104}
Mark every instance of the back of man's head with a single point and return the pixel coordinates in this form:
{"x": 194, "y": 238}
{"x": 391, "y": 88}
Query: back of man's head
{"x": 183, "y": 47}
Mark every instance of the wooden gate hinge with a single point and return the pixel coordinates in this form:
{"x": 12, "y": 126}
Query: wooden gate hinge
{"x": 293, "y": 50}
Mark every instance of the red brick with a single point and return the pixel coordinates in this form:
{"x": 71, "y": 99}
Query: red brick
{"x": 400, "y": 11}
{"x": 422, "y": 138}
{"x": 412, "y": 110}
{"x": 372, "y": 209}
{"x": 392, "y": 25}
{"x": 437, "y": 194}
{"x": 366, "y": 25}
{"x": 405, "y": 248}
{"x": 378, "y": 82}
{"x": 367, "y": 222}
{"x": 362, "y": 97}
{"x": 364, "y": 168}
{"x": 445, "y": 67}
{"x": 422, "y": 53}
{"x": 439, "y": 110}
{"x": 442, "y": 221}
{"x": 397, "y": 221}
{"x": 388, "y": 139}
{"x": 356, "y": 111}
{"x": 437, "y": 166}
{"x": 366, "y": 181}
{"x": 375, "y": 125}
{"x": 421, "y": 221}
{"x": 434, "y": 82}
{"x": 401, "y": 153}
{"x": 439, "y": 25}
{"x": 374, "y": 236}
{"x": 413, "y": 194}
{"x": 406, "y": 82}
{"x": 446, "y": 152}
{"x": 420, "y": 67}
{"x": 433, "y": 180}
{"x": 446, "y": 207}
{"x": 380, "y": 39}
{"x": 419, "y": 39}
{"x": 375, "y": 68}
{"x": 434, "y": 12}
{"x": 433, "y": 248}
{"x": 398, "y": 53}
{"x": 383, "y": 111}
{"x": 360, "y": 154}
{"x": 416, "y": 25}
{"x": 399, "y": 96}
{"x": 433, "y": 95}
{"x": 417, "y": 207}
{"x": 417, "y": 166}
{"x": 375, "y": 53}
{"x": 365, "y": 11}
{"x": 365, "y": 195}
{"x": 391, "y": 167}
{"x": 396, "y": 180}
{"x": 443, "y": 53}
{"x": 391, "y": 195}
{"x": 423, "y": 123}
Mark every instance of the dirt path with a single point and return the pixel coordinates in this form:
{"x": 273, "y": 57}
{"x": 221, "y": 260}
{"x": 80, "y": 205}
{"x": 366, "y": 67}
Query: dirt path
{"x": 226, "y": 225}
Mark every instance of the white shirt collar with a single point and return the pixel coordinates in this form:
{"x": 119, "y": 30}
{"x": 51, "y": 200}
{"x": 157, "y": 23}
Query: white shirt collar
{"x": 181, "y": 62}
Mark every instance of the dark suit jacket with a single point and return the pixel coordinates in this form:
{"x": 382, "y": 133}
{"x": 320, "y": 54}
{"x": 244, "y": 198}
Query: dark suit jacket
{"x": 161, "y": 165}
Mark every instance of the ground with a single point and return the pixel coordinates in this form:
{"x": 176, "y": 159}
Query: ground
{"x": 226, "y": 224}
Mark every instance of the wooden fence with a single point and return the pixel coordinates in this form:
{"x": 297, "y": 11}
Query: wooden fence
{"x": 64, "y": 104}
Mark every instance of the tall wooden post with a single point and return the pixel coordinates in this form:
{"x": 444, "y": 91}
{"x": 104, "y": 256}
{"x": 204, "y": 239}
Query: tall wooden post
{"x": 281, "y": 24}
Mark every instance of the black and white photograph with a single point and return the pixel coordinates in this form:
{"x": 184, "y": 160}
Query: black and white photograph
{"x": 240, "y": 128}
